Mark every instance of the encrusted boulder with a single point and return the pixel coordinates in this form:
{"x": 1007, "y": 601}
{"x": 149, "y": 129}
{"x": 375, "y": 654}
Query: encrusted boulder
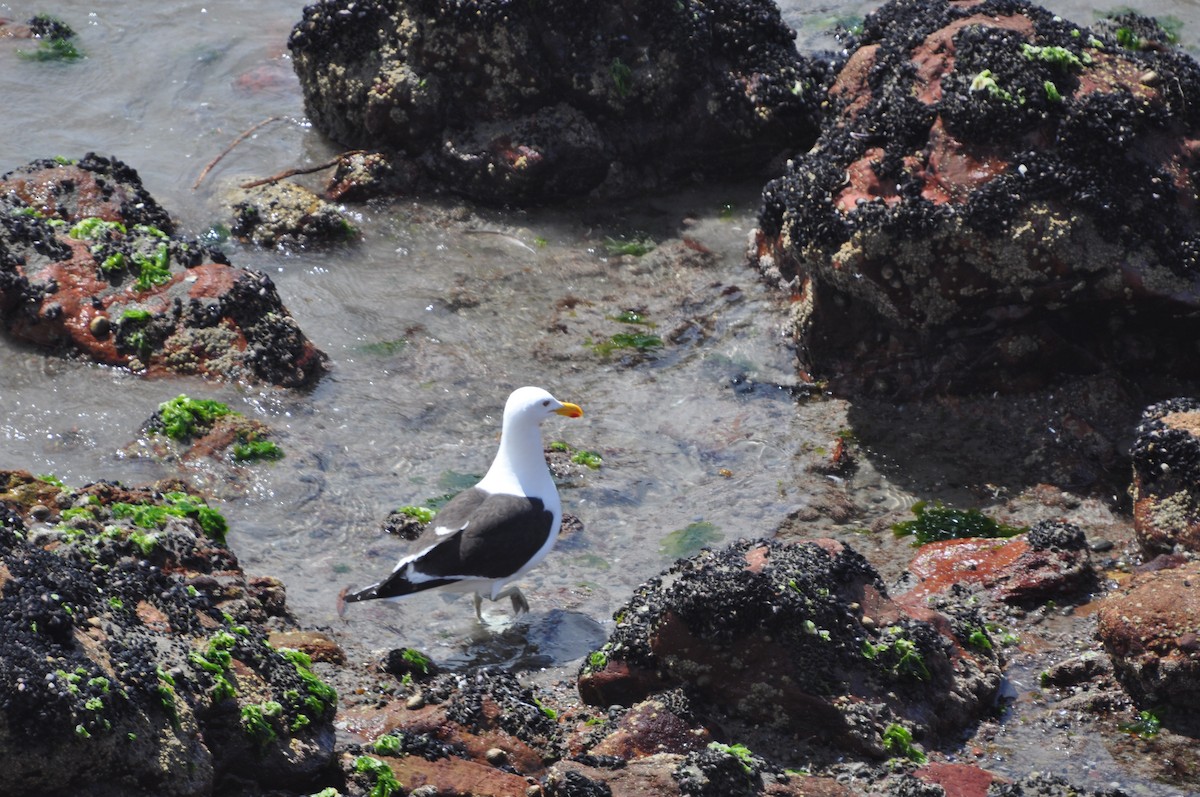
{"x": 88, "y": 264}
{"x": 800, "y": 640}
{"x": 134, "y": 656}
{"x": 999, "y": 197}
{"x": 1050, "y": 561}
{"x": 1166, "y": 477}
{"x": 1151, "y": 632}
{"x": 521, "y": 102}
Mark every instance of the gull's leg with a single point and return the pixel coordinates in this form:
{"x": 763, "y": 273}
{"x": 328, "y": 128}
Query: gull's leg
{"x": 519, "y": 604}
{"x": 479, "y": 607}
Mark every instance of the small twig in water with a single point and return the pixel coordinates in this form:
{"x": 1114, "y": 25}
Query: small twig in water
{"x": 229, "y": 149}
{"x": 293, "y": 172}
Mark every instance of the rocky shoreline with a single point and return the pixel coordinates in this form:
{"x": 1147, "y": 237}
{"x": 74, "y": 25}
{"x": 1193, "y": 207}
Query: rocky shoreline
{"x": 140, "y": 659}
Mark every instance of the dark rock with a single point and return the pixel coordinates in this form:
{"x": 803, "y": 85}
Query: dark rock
{"x": 1000, "y": 198}
{"x": 1037, "y": 784}
{"x": 133, "y": 660}
{"x": 1166, "y": 477}
{"x": 778, "y": 635}
{"x": 1149, "y": 632}
{"x": 80, "y": 242}
{"x": 511, "y": 102}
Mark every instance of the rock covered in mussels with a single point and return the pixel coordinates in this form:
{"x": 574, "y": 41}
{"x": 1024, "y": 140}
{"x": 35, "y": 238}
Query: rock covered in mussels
{"x": 524, "y": 102}
{"x": 801, "y": 639}
{"x": 998, "y": 197}
{"x": 1166, "y": 477}
{"x": 134, "y": 655}
{"x": 88, "y": 263}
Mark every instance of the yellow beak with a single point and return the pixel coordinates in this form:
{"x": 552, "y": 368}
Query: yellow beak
{"x": 570, "y": 410}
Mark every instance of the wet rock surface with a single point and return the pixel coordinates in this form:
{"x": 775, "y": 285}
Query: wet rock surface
{"x": 136, "y": 656}
{"x": 999, "y": 197}
{"x": 1151, "y": 631}
{"x": 88, "y": 265}
{"x": 509, "y": 102}
{"x": 286, "y": 215}
{"x": 1166, "y": 477}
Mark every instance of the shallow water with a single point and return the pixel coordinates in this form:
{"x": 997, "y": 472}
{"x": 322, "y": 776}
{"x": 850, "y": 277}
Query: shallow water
{"x": 704, "y": 432}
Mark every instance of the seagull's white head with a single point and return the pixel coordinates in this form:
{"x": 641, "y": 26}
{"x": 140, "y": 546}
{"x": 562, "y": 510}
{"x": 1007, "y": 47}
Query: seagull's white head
{"x": 536, "y": 405}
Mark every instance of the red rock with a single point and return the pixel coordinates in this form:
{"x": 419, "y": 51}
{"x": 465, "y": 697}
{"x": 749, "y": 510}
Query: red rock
{"x": 650, "y": 728}
{"x": 1166, "y": 477}
{"x": 1148, "y": 630}
{"x": 958, "y": 780}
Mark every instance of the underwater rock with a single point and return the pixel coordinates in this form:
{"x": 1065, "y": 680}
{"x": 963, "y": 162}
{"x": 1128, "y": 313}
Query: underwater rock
{"x": 88, "y": 264}
{"x": 1166, "y": 477}
{"x": 801, "y": 640}
{"x": 999, "y": 197}
{"x": 134, "y": 660}
{"x": 286, "y": 215}
{"x": 519, "y": 102}
{"x": 1150, "y": 632}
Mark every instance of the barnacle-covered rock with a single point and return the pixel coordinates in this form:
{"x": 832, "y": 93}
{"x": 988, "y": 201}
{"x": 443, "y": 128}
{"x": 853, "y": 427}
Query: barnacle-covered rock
{"x": 999, "y": 197}
{"x": 800, "y": 639}
{"x": 523, "y": 102}
{"x": 1166, "y": 477}
{"x": 88, "y": 264}
{"x": 134, "y": 659}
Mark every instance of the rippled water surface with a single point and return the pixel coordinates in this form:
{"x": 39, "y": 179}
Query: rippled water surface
{"x": 429, "y": 321}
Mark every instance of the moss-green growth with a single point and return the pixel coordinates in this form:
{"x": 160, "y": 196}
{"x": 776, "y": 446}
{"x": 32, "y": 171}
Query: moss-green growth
{"x": 897, "y": 653}
{"x": 421, "y": 514}
{"x": 216, "y": 660}
{"x": 938, "y": 522}
{"x": 257, "y": 721}
{"x": 984, "y": 81}
{"x": 56, "y": 49}
{"x": 898, "y": 741}
{"x": 978, "y": 638}
{"x": 154, "y": 516}
{"x": 256, "y": 450}
{"x": 1146, "y": 726}
{"x": 635, "y": 247}
{"x": 1059, "y": 57}
{"x": 416, "y": 660}
{"x": 388, "y": 744}
{"x": 50, "y": 478}
{"x": 318, "y": 697}
{"x": 94, "y": 228}
{"x": 385, "y": 348}
{"x": 1051, "y": 90}
{"x": 385, "y": 783}
{"x": 589, "y": 458}
{"x": 153, "y": 270}
{"x": 739, "y": 752}
{"x": 638, "y": 341}
{"x": 622, "y": 77}
{"x": 547, "y": 710}
{"x": 136, "y": 315}
{"x": 598, "y": 659}
{"x": 689, "y": 539}
{"x": 182, "y": 417}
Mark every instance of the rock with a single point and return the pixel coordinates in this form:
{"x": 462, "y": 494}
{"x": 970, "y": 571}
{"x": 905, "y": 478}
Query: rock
{"x": 1051, "y": 561}
{"x": 508, "y": 102}
{"x": 660, "y": 724}
{"x": 286, "y": 215}
{"x": 774, "y": 634}
{"x": 998, "y": 200}
{"x": 87, "y": 263}
{"x": 1166, "y": 477}
{"x": 958, "y": 780}
{"x": 1038, "y": 784}
{"x": 133, "y": 659}
{"x": 1149, "y": 630}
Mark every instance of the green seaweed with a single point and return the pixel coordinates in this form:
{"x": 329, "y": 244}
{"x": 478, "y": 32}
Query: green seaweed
{"x": 385, "y": 784}
{"x": 690, "y": 539}
{"x": 622, "y": 77}
{"x": 739, "y": 751}
{"x": 635, "y": 247}
{"x": 898, "y": 741}
{"x": 388, "y": 744}
{"x": 256, "y": 721}
{"x": 421, "y": 514}
{"x": 1146, "y": 726}
{"x": 589, "y": 458}
{"x": 154, "y": 516}
{"x": 55, "y": 49}
{"x": 182, "y": 417}
{"x": 94, "y": 228}
{"x": 938, "y": 522}
{"x": 897, "y": 654}
{"x": 152, "y": 270}
{"x": 1059, "y": 57}
{"x": 984, "y": 81}
{"x": 638, "y": 341}
{"x": 256, "y": 450}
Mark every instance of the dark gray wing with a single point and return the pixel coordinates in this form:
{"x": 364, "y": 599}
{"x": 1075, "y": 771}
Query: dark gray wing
{"x": 502, "y": 533}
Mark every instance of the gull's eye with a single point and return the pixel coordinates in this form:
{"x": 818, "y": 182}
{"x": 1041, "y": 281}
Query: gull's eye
{"x": 546, "y": 403}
